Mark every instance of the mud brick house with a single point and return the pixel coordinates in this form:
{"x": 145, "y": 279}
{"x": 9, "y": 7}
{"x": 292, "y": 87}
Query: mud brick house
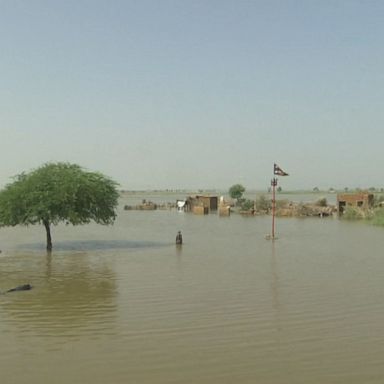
{"x": 362, "y": 200}
{"x": 202, "y": 204}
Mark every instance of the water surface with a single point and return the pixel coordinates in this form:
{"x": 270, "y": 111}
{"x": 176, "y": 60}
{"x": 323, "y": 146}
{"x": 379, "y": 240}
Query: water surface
{"x": 122, "y": 304}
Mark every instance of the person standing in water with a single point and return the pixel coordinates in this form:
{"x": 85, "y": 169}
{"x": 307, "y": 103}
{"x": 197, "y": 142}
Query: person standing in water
{"x": 179, "y": 238}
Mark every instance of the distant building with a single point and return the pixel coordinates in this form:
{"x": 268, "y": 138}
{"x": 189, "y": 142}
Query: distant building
{"x": 362, "y": 200}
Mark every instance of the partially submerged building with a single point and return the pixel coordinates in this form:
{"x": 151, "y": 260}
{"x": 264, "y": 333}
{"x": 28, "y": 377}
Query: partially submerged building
{"x": 202, "y": 204}
{"x": 363, "y": 200}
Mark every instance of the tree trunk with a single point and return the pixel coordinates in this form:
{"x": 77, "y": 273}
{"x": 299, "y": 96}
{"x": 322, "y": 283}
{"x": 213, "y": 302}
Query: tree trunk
{"x": 49, "y": 239}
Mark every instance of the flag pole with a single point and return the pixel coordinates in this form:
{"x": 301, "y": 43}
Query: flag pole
{"x": 273, "y": 184}
{"x": 276, "y": 171}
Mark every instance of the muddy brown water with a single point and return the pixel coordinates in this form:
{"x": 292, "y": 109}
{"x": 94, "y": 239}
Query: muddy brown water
{"x": 122, "y": 304}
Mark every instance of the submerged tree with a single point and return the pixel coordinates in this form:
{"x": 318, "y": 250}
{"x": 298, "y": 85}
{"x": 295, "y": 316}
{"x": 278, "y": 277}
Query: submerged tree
{"x": 58, "y": 192}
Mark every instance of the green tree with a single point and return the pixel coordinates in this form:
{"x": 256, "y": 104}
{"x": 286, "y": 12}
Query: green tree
{"x": 58, "y": 192}
{"x": 236, "y": 191}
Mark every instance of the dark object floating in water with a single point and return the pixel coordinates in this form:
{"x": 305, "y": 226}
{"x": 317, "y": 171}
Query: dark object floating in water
{"x": 24, "y": 287}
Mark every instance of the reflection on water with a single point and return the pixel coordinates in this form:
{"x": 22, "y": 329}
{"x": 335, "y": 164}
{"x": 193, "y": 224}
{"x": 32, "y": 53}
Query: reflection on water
{"x": 124, "y": 304}
{"x": 93, "y": 245}
{"x": 69, "y": 296}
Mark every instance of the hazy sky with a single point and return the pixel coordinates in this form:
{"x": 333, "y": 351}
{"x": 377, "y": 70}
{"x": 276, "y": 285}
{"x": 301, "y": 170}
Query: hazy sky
{"x": 195, "y": 94}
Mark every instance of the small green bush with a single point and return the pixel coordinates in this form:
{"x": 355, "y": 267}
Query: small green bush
{"x": 303, "y": 210}
{"x": 282, "y": 204}
{"x": 353, "y": 213}
{"x": 378, "y": 217}
{"x": 263, "y": 204}
{"x": 247, "y": 205}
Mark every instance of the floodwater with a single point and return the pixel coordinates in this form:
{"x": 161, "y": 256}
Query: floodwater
{"x": 122, "y": 304}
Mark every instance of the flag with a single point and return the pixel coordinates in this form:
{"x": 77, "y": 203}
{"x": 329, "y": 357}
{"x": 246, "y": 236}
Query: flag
{"x": 278, "y": 171}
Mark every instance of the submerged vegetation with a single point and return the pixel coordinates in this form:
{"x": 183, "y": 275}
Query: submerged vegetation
{"x": 355, "y": 213}
{"x": 374, "y": 215}
{"x": 378, "y": 217}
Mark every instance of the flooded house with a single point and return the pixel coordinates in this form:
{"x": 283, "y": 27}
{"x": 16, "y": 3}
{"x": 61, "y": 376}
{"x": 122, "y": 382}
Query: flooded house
{"x": 363, "y": 200}
{"x": 202, "y": 204}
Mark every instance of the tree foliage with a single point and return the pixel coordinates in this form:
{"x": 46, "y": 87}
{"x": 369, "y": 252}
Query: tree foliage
{"x": 58, "y": 192}
{"x": 322, "y": 202}
{"x": 247, "y": 204}
{"x": 236, "y": 191}
{"x": 263, "y": 203}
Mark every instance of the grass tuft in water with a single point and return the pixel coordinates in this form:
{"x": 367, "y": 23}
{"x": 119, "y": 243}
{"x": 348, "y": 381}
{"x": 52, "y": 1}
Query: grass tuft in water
{"x": 378, "y": 217}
